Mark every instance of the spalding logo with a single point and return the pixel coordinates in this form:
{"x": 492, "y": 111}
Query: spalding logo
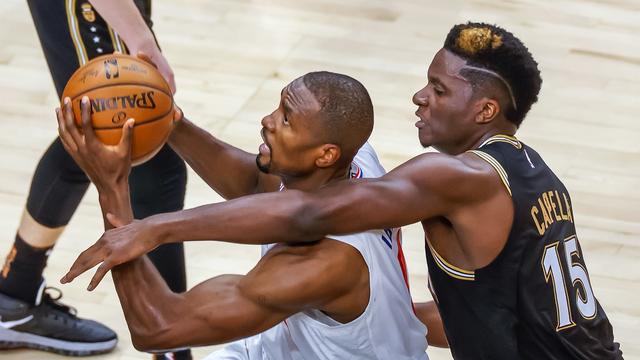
{"x": 143, "y": 100}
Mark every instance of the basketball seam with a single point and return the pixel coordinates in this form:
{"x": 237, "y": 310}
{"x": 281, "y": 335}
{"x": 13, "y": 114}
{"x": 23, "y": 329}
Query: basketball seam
{"x": 159, "y": 117}
{"x": 118, "y": 56}
{"x": 152, "y": 86}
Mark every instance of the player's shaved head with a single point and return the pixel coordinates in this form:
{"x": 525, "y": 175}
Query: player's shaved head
{"x": 345, "y": 108}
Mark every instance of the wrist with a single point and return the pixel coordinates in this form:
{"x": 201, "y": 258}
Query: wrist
{"x": 112, "y": 192}
{"x": 113, "y": 186}
{"x": 159, "y": 228}
{"x": 178, "y": 130}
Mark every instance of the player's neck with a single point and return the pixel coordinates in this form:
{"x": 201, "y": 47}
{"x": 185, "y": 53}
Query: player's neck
{"x": 500, "y": 127}
{"x": 317, "y": 179}
{"x": 503, "y": 130}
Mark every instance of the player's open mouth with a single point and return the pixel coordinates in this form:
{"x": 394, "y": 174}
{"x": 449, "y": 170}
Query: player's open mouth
{"x": 420, "y": 123}
{"x": 264, "y": 148}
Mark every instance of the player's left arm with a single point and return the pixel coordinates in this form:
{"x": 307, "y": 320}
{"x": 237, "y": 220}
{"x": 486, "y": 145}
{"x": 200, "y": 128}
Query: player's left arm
{"x": 230, "y": 171}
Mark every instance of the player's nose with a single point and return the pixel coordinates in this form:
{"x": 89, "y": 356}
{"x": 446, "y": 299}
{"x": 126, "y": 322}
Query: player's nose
{"x": 421, "y": 98}
{"x": 267, "y": 123}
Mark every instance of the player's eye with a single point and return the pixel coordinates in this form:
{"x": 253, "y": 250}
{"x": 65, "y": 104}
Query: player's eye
{"x": 436, "y": 88}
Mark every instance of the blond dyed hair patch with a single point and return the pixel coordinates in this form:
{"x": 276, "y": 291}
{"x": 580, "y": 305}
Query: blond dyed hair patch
{"x": 475, "y": 39}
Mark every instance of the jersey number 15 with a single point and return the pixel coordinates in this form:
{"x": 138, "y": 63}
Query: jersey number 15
{"x": 583, "y": 296}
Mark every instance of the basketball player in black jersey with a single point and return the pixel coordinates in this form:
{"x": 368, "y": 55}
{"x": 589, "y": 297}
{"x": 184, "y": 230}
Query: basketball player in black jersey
{"x": 506, "y": 267}
{"x": 71, "y": 33}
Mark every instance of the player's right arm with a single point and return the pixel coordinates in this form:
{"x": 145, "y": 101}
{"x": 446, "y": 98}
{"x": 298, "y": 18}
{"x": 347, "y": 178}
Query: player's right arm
{"x": 230, "y": 171}
{"x": 231, "y": 307}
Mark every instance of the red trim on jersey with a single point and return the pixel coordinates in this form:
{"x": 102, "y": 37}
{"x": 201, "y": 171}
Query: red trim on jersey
{"x": 402, "y": 261}
{"x": 403, "y": 266}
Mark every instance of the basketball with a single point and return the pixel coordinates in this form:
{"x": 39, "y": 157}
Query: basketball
{"x": 121, "y": 87}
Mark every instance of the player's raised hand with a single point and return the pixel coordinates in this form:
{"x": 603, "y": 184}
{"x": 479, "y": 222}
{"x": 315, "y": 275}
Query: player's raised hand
{"x": 116, "y": 246}
{"x": 177, "y": 112}
{"x": 154, "y": 56}
{"x": 104, "y": 164}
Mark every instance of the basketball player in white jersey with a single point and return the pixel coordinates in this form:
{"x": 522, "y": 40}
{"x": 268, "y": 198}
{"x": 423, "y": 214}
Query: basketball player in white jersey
{"x": 342, "y": 297}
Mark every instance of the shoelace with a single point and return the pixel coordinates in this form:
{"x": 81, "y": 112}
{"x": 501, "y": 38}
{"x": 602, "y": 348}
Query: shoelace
{"x": 52, "y": 301}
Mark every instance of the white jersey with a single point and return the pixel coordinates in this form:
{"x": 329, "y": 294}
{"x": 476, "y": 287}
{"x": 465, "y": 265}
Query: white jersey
{"x": 387, "y": 329}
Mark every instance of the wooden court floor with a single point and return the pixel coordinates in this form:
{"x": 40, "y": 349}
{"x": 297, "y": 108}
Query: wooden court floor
{"x": 232, "y": 57}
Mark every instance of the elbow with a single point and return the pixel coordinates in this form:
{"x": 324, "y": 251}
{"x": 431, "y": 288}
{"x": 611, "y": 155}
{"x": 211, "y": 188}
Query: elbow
{"x": 141, "y": 346}
{"x": 153, "y": 339}
{"x": 141, "y": 341}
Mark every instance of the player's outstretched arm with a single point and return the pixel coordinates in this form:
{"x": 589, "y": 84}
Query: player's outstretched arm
{"x": 426, "y": 186}
{"x": 230, "y": 171}
{"x": 423, "y": 187}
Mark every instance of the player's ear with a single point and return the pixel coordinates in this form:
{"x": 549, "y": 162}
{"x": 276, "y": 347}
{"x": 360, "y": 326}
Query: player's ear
{"x": 486, "y": 110}
{"x": 328, "y": 155}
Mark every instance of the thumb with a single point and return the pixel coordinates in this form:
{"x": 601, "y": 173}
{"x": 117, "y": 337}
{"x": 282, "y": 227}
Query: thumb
{"x": 178, "y": 115}
{"x": 114, "y": 220}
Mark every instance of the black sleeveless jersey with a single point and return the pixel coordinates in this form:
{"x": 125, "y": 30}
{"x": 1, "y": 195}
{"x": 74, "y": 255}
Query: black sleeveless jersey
{"x": 535, "y": 300}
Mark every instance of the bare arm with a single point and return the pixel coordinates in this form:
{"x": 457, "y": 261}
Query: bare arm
{"x": 231, "y": 172}
{"x": 228, "y": 307}
{"x": 426, "y": 186}
{"x": 125, "y": 18}
{"x": 429, "y": 314}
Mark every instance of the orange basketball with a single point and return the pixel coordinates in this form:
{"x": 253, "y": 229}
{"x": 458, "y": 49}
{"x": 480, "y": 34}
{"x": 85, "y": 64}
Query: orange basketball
{"x": 121, "y": 87}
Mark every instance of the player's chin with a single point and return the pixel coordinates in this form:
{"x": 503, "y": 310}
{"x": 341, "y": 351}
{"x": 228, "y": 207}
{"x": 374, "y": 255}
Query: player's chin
{"x": 426, "y": 140}
{"x": 263, "y": 163}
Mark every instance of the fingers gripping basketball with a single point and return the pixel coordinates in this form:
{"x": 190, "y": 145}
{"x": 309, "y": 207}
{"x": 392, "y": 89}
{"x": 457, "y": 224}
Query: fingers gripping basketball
{"x": 120, "y": 87}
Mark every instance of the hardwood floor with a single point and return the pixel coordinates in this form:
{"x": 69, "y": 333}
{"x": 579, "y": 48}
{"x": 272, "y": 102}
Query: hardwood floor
{"x": 232, "y": 57}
